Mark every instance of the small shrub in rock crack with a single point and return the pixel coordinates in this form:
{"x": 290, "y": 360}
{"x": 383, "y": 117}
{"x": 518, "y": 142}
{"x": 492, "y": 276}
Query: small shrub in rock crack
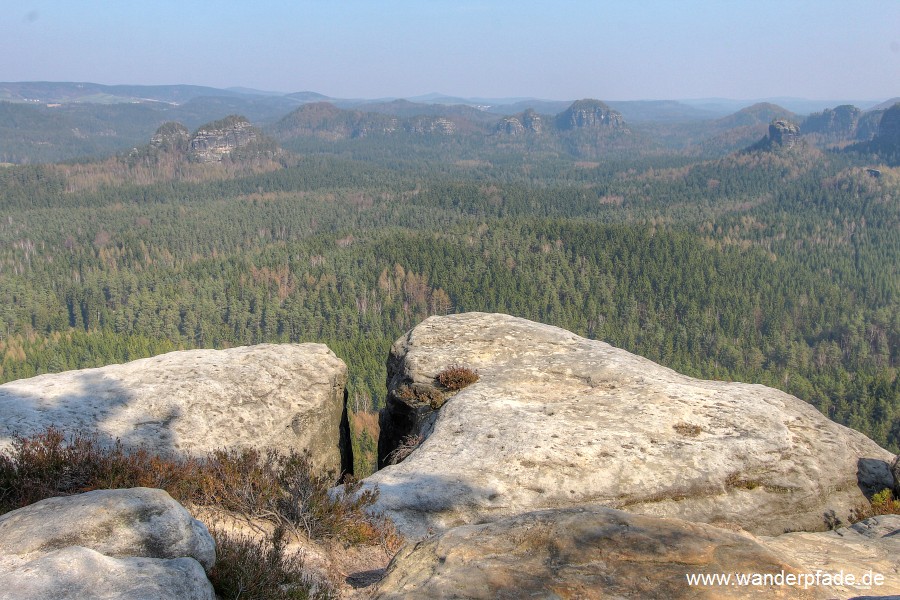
{"x": 259, "y": 569}
{"x": 282, "y": 489}
{"x": 406, "y": 447}
{"x": 423, "y": 394}
{"x": 456, "y": 377}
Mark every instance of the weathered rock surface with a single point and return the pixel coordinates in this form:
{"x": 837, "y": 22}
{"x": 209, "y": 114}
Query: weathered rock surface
{"x": 585, "y": 553}
{"x": 589, "y": 114}
{"x": 532, "y": 121}
{"x": 839, "y": 123}
{"x": 782, "y": 135}
{"x": 895, "y": 471}
{"x": 214, "y": 141}
{"x": 427, "y": 124}
{"x": 886, "y": 143}
{"x": 889, "y": 127}
{"x": 511, "y": 126}
{"x": 283, "y": 396}
{"x": 520, "y": 124}
{"x": 79, "y": 574}
{"x": 129, "y": 522}
{"x": 171, "y": 137}
{"x": 136, "y": 543}
{"x": 872, "y": 545}
{"x": 559, "y": 421}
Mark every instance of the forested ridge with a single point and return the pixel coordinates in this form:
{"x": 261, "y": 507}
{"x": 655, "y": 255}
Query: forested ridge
{"x": 774, "y": 268}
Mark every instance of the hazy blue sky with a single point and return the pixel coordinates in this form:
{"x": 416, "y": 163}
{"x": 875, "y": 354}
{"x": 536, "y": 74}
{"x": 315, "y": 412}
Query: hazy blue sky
{"x": 560, "y": 49}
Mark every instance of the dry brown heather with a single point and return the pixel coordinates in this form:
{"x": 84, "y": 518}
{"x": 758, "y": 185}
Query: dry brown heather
{"x": 277, "y": 498}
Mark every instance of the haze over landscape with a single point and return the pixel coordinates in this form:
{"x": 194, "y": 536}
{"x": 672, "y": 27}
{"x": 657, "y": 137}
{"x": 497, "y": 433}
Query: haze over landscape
{"x": 815, "y": 49}
{"x": 399, "y": 300}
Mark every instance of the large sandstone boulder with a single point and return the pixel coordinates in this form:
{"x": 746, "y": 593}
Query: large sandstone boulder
{"x": 589, "y": 552}
{"x": 136, "y": 543}
{"x": 287, "y": 396}
{"x": 559, "y": 421}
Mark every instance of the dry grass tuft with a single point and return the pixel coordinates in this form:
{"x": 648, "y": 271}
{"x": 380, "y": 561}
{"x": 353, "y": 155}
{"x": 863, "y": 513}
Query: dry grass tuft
{"x": 406, "y": 447}
{"x": 251, "y": 568}
{"x": 687, "y": 429}
{"x": 282, "y": 490}
{"x": 456, "y": 377}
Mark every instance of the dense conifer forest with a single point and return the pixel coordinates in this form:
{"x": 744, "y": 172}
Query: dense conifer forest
{"x": 778, "y": 268}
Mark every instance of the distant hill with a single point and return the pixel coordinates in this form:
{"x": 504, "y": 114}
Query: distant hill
{"x": 886, "y": 104}
{"x": 583, "y": 129}
{"x": 406, "y": 109}
{"x": 326, "y": 121}
{"x": 589, "y": 114}
{"x": 661, "y": 111}
{"x": 95, "y": 93}
{"x": 305, "y": 97}
{"x": 70, "y": 126}
{"x": 54, "y": 121}
{"x": 544, "y": 107}
{"x": 758, "y": 114}
{"x": 222, "y": 149}
{"x": 37, "y": 133}
{"x": 738, "y": 130}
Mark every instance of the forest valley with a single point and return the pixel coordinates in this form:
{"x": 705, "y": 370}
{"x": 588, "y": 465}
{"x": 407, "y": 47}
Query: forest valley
{"x": 773, "y": 266}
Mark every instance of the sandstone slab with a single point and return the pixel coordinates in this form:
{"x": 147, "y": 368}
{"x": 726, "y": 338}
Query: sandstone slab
{"x": 77, "y": 573}
{"x": 121, "y": 523}
{"x": 282, "y": 396}
{"x": 131, "y": 543}
{"x": 586, "y": 553}
{"x": 870, "y": 546}
{"x": 559, "y": 421}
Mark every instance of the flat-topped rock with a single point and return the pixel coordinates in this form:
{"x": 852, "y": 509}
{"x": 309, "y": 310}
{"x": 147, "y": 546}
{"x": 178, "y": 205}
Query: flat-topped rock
{"x": 282, "y": 396}
{"x": 560, "y": 421}
{"x": 589, "y": 552}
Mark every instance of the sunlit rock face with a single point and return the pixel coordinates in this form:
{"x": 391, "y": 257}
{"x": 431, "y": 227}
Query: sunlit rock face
{"x": 281, "y": 396}
{"x": 559, "y": 421}
{"x": 126, "y": 543}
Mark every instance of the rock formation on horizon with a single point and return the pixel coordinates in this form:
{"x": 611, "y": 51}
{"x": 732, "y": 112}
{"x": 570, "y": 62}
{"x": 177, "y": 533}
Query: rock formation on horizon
{"x": 526, "y": 122}
{"x": 213, "y": 141}
{"x": 233, "y": 138}
{"x": 885, "y": 145}
{"x": 839, "y": 122}
{"x": 171, "y": 137}
{"x": 783, "y": 134}
{"x": 589, "y": 114}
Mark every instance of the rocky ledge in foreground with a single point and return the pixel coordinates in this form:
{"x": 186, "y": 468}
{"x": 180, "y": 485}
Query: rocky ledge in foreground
{"x": 281, "y": 396}
{"x": 597, "y": 552}
{"x": 135, "y": 543}
{"x": 559, "y": 421}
